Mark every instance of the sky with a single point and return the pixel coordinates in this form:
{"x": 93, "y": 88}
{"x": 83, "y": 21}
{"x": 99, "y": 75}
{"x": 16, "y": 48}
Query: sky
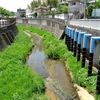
{"x": 13, "y": 5}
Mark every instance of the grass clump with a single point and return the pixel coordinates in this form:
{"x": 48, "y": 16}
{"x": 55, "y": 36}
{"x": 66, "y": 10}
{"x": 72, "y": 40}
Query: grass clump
{"x": 53, "y": 48}
{"x": 17, "y": 80}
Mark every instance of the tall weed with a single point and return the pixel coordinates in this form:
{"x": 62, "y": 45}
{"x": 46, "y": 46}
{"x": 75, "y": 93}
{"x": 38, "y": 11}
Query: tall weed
{"x": 17, "y": 80}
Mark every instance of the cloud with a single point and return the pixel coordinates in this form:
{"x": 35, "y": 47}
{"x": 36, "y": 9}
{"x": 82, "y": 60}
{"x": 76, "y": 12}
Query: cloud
{"x": 13, "y": 5}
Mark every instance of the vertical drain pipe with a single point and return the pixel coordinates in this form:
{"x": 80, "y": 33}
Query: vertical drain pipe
{"x": 84, "y": 48}
{"x": 72, "y": 39}
{"x": 92, "y": 43}
{"x": 79, "y": 45}
{"x": 75, "y": 42}
{"x": 66, "y": 36}
{"x": 69, "y": 38}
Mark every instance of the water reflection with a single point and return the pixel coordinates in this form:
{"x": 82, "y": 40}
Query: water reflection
{"x": 37, "y": 57}
{"x": 57, "y": 79}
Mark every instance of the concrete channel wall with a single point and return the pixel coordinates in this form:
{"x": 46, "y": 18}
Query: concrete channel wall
{"x": 58, "y": 27}
{"x": 8, "y": 31}
{"x": 90, "y": 26}
{"x": 54, "y": 26}
{"x": 85, "y": 37}
{"x": 83, "y": 41}
{"x": 87, "y": 23}
{"x": 95, "y": 33}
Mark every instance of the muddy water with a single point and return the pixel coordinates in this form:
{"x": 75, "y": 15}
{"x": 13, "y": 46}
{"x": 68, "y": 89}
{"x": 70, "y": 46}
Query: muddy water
{"x": 57, "y": 80}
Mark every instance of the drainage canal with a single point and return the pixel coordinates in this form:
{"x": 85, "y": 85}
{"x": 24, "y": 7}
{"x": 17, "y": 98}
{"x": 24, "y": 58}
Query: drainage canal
{"x": 57, "y": 80}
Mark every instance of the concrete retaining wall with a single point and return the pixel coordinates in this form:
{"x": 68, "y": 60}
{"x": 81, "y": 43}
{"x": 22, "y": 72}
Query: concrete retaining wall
{"x": 52, "y": 26}
{"x": 94, "y": 33}
{"x": 7, "y": 35}
{"x": 57, "y": 27}
{"x": 87, "y": 23}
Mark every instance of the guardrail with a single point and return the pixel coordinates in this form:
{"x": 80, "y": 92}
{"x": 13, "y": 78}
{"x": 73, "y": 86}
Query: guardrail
{"x": 6, "y": 21}
{"x": 87, "y": 23}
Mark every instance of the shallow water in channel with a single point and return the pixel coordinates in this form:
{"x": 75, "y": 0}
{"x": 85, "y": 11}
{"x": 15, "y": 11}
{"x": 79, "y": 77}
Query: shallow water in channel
{"x": 56, "y": 76}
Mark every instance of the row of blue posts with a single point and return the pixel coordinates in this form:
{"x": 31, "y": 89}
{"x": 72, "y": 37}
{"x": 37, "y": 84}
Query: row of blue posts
{"x": 74, "y": 42}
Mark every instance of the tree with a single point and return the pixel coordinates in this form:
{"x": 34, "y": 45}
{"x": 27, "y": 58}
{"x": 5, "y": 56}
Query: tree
{"x": 5, "y": 12}
{"x": 13, "y": 13}
{"x": 39, "y": 2}
{"x": 34, "y": 4}
{"x": 52, "y": 3}
{"x": 35, "y": 14}
{"x": 97, "y": 4}
{"x": 44, "y": 4}
{"x": 49, "y": 2}
{"x": 59, "y": 8}
{"x": 90, "y": 9}
{"x": 65, "y": 9}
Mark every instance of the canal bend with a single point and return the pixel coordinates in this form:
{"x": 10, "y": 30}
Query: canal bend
{"x": 56, "y": 76}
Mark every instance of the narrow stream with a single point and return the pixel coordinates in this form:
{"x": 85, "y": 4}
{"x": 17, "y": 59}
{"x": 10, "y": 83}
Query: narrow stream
{"x": 57, "y": 79}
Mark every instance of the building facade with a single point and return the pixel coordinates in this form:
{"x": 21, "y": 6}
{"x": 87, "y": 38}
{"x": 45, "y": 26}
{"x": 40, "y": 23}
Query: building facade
{"x": 76, "y": 9}
{"x": 42, "y": 10}
{"x": 21, "y": 12}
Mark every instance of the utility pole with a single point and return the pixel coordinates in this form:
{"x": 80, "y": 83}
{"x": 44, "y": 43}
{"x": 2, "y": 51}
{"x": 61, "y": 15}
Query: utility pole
{"x": 95, "y": 11}
{"x": 85, "y": 6}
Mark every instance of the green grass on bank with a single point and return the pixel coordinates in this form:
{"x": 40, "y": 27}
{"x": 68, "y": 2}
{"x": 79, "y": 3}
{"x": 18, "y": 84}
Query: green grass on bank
{"x": 17, "y": 80}
{"x": 56, "y": 49}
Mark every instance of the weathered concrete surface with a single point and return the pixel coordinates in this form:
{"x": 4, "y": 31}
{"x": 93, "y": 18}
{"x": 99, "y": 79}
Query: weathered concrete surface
{"x": 7, "y": 35}
{"x": 52, "y": 26}
{"x": 87, "y": 30}
{"x": 97, "y": 44}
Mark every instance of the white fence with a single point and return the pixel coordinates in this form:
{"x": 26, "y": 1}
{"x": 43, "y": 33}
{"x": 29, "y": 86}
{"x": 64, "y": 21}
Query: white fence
{"x": 88, "y": 23}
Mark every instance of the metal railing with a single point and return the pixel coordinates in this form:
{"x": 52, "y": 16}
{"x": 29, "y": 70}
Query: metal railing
{"x": 6, "y": 21}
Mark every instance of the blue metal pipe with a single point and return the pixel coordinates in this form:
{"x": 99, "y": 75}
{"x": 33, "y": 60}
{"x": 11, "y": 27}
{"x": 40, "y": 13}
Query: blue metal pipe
{"x": 79, "y": 45}
{"x": 79, "y": 36}
{"x": 75, "y": 35}
{"x": 85, "y": 39}
{"x": 84, "y": 48}
{"x": 92, "y": 43}
{"x": 93, "y": 39}
{"x": 75, "y": 42}
{"x": 69, "y": 33}
{"x": 72, "y": 34}
{"x": 66, "y": 30}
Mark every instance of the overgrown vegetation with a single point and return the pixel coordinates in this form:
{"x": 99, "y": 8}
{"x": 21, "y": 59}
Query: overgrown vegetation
{"x": 90, "y": 9}
{"x": 57, "y": 49}
{"x": 4, "y": 12}
{"x": 17, "y": 80}
{"x": 35, "y": 14}
{"x": 93, "y": 6}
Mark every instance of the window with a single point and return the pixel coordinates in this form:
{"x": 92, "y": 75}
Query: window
{"x": 72, "y": 3}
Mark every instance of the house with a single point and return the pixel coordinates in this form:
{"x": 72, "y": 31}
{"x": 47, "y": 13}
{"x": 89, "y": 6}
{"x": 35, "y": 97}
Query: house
{"x": 64, "y": 3}
{"x": 41, "y": 10}
{"x": 76, "y": 9}
{"x": 21, "y": 12}
{"x": 29, "y": 13}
